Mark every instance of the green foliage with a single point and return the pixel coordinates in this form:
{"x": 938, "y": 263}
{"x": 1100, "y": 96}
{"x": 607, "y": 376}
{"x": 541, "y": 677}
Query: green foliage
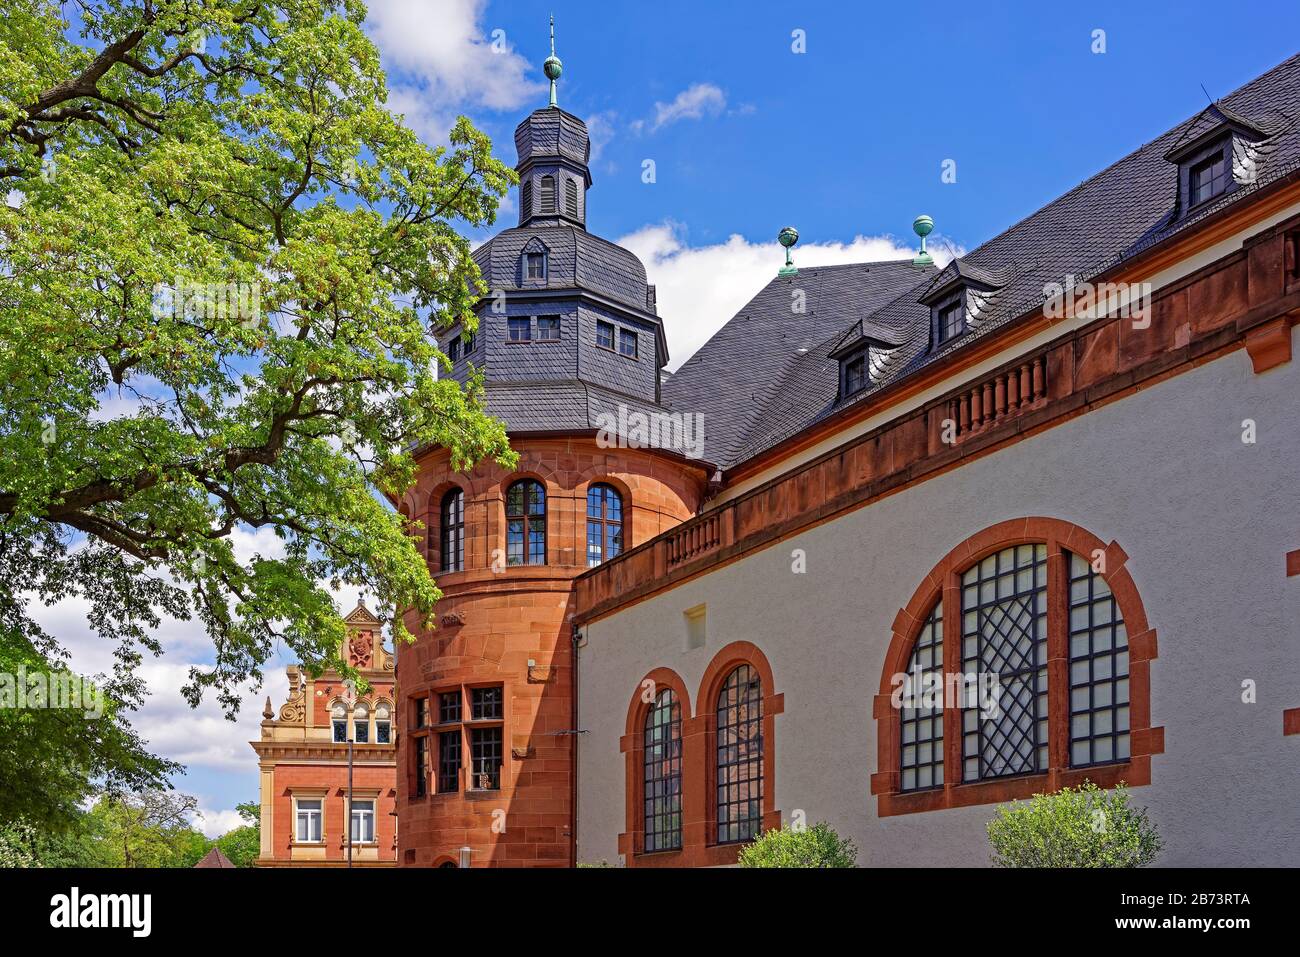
{"x": 243, "y": 845}
{"x": 816, "y": 846}
{"x": 151, "y": 148}
{"x": 1074, "y": 827}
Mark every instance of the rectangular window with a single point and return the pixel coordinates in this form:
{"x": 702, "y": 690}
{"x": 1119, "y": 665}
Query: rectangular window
{"x": 383, "y": 732}
{"x": 421, "y": 766}
{"x": 519, "y": 328}
{"x": 363, "y": 822}
{"x": 952, "y": 320}
{"x": 453, "y": 349}
{"x": 604, "y": 334}
{"x": 467, "y": 343}
{"x": 627, "y": 342}
{"x": 485, "y": 752}
{"x": 449, "y": 762}
{"x": 855, "y": 375}
{"x": 309, "y": 822}
{"x": 548, "y": 328}
{"x": 485, "y": 704}
{"x": 448, "y": 707}
{"x": 340, "y": 730}
{"x": 361, "y": 730}
{"x": 1208, "y": 178}
{"x": 536, "y": 263}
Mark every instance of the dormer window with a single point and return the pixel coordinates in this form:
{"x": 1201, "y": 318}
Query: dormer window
{"x": 535, "y": 265}
{"x": 855, "y": 373}
{"x": 951, "y": 319}
{"x": 1209, "y": 177}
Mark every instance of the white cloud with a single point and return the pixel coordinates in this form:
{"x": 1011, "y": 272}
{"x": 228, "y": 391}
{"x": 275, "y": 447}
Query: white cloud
{"x": 216, "y": 823}
{"x": 694, "y": 103}
{"x": 699, "y": 288}
{"x": 442, "y": 58}
{"x": 600, "y": 130}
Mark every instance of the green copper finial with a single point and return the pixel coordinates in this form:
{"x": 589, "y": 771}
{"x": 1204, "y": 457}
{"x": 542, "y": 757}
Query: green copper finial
{"x": 553, "y": 68}
{"x": 787, "y": 237}
{"x": 923, "y": 225}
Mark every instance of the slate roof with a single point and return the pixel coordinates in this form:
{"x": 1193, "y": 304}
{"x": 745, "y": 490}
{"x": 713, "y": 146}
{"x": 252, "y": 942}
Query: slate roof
{"x": 214, "y": 858}
{"x": 756, "y": 384}
{"x": 575, "y": 257}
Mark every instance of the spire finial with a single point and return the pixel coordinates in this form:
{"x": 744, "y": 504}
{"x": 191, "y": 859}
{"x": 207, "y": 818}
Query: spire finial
{"x": 922, "y": 226}
{"x": 787, "y": 237}
{"x": 553, "y": 68}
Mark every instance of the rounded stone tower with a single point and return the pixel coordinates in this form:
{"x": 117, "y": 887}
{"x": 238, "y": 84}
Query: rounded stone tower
{"x": 571, "y": 348}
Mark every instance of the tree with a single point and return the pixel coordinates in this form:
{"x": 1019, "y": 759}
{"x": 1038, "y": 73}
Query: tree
{"x": 149, "y": 829}
{"x": 816, "y": 846}
{"x": 243, "y": 845}
{"x": 222, "y": 258}
{"x": 1074, "y": 827}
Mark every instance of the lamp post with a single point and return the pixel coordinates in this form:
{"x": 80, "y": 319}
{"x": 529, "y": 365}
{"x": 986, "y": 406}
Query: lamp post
{"x": 350, "y": 818}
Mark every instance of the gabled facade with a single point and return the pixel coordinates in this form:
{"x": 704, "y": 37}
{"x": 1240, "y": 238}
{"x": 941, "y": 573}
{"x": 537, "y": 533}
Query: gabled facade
{"x": 303, "y": 759}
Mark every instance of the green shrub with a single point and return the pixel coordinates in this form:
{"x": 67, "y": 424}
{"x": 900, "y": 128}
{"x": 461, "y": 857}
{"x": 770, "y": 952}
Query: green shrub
{"x": 816, "y": 846}
{"x": 1075, "y": 827}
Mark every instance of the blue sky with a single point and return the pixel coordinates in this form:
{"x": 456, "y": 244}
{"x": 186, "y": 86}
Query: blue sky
{"x": 846, "y": 141}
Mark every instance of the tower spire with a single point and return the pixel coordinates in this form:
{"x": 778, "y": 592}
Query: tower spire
{"x": 553, "y": 67}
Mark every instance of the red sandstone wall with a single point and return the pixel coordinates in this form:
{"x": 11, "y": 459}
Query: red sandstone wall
{"x": 492, "y": 622}
{"x": 335, "y": 778}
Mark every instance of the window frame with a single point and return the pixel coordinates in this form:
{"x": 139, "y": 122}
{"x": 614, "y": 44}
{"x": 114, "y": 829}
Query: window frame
{"x": 530, "y": 487}
{"x": 656, "y": 838}
{"x": 451, "y": 531}
{"x": 606, "y": 527}
{"x": 938, "y": 312}
{"x": 516, "y": 323}
{"x": 944, "y": 582}
{"x": 319, "y": 814}
{"x": 356, "y": 814}
{"x": 626, "y": 335}
{"x": 601, "y": 326}
{"x": 549, "y": 322}
{"x": 540, "y": 256}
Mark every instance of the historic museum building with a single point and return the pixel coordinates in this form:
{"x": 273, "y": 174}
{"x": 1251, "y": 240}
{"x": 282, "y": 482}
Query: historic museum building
{"x": 899, "y": 543}
{"x": 302, "y": 757}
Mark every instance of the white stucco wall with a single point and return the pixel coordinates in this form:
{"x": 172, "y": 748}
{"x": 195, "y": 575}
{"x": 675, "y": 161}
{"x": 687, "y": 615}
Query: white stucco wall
{"x": 1206, "y": 521}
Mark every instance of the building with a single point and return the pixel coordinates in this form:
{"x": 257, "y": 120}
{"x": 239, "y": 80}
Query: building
{"x": 1052, "y": 479}
{"x": 303, "y": 760}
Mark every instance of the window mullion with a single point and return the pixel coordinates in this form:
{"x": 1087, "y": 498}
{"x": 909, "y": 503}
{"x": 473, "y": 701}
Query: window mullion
{"x": 952, "y": 644}
{"x": 1058, "y": 660}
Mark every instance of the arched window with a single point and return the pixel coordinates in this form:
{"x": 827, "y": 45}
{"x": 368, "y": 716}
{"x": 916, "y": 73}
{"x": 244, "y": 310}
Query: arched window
{"x": 739, "y": 764}
{"x": 921, "y": 717}
{"x": 571, "y": 197}
{"x": 548, "y": 196}
{"x": 361, "y": 724}
{"x": 989, "y": 693}
{"x": 526, "y": 523}
{"x": 604, "y": 524}
{"x": 383, "y": 723}
{"x": 339, "y": 722}
{"x": 453, "y": 531}
{"x": 662, "y": 792}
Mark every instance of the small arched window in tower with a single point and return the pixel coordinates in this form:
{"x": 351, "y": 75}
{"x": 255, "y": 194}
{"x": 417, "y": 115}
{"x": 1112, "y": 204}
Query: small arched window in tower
{"x": 383, "y": 724}
{"x": 571, "y": 197}
{"x": 663, "y": 774}
{"x": 604, "y": 524}
{"x": 548, "y": 196}
{"x": 526, "y": 523}
{"x": 361, "y": 724}
{"x": 453, "y": 531}
{"x": 738, "y": 771}
{"x": 339, "y": 722}
{"x": 526, "y": 198}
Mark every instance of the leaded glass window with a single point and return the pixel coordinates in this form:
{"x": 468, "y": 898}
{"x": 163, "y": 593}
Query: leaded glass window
{"x": 1004, "y": 640}
{"x": 739, "y": 759}
{"x": 1099, "y": 676}
{"x": 453, "y": 531}
{"x": 921, "y": 718}
{"x": 663, "y": 774}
